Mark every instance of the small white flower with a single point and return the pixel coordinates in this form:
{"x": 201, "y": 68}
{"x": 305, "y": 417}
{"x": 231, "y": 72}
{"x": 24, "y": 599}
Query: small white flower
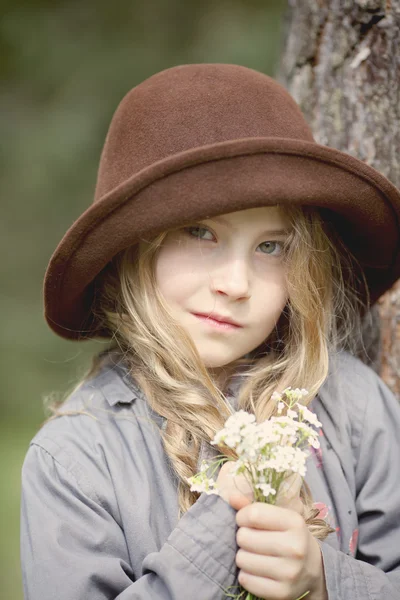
{"x": 276, "y": 397}
{"x": 231, "y": 439}
{"x": 266, "y": 489}
{"x": 231, "y": 435}
{"x": 268, "y": 433}
{"x": 309, "y": 416}
{"x": 202, "y": 485}
{"x": 314, "y": 442}
{"x": 239, "y": 419}
{"x": 299, "y": 393}
{"x": 292, "y": 414}
{"x": 266, "y": 451}
{"x": 286, "y": 459}
{"x": 285, "y": 426}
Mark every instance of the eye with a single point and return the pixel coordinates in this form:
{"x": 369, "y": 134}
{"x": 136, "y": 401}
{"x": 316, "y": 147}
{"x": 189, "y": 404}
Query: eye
{"x": 272, "y": 248}
{"x": 199, "y": 232}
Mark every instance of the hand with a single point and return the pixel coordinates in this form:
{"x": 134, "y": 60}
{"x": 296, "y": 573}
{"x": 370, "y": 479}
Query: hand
{"x": 229, "y": 485}
{"x": 288, "y": 495}
{"x": 278, "y": 557}
{"x": 239, "y": 490}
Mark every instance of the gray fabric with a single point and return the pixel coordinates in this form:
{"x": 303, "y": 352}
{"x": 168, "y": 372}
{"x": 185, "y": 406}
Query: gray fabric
{"x": 99, "y": 512}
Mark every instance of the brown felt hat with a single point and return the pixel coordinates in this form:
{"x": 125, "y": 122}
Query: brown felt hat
{"x": 196, "y": 141}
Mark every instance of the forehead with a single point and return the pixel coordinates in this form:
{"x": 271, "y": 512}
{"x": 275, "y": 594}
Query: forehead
{"x": 271, "y": 216}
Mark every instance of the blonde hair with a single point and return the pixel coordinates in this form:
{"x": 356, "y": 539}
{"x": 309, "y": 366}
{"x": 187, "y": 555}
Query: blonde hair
{"x": 320, "y": 314}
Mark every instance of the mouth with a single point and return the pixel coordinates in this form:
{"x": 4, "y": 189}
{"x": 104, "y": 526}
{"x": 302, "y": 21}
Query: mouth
{"x": 218, "y": 320}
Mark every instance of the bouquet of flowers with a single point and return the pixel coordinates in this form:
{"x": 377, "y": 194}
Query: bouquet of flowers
{"x": 267, "y": 452}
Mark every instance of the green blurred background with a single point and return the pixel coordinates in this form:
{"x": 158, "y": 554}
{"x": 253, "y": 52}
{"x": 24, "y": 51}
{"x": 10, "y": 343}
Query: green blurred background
{"x": 64, "y": 67}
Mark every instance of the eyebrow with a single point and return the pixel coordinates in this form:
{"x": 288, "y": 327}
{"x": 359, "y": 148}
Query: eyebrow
{"x": 225, "y": 222}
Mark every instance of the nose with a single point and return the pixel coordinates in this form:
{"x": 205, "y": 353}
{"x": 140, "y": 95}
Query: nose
{"x": 232, "y": 278}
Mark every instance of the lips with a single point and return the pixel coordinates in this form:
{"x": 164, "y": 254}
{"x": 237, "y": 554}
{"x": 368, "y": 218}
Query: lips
{"x": 219, "y": 318}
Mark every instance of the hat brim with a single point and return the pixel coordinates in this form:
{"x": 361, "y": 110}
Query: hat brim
{"x": 217, "y": 179}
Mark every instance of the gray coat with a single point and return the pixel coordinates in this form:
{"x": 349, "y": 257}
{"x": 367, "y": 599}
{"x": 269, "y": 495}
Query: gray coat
{"x": 99, "y": 499}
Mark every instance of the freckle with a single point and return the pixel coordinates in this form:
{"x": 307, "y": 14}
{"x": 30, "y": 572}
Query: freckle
{"x": 349, "y": 511}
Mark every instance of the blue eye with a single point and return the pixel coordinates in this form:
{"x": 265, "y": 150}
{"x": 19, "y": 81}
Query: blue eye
{"x": 274, "y": 248}
{"x": 198, "y": 232}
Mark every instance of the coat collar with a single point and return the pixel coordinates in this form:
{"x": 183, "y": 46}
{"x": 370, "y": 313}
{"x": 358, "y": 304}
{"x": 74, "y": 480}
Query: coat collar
{"x": 117, "y": 385}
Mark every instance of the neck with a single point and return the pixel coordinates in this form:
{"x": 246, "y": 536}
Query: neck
{"x": 221, "y": 376}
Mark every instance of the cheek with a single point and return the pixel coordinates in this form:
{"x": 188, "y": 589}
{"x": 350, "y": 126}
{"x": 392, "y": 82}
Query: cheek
{"x": 176, "y": 270}
{"x": 272, "y": 295}
{"x": 282, "y": 294}
{"x": 167, "y": 270}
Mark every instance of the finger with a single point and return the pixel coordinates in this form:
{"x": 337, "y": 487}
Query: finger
{"x": 288, "y": 495}
{"x": 262, "y": 587}
{"x": 228, "y": 483}
{"x": 289, "y": 488}
{"x": 239, "y": 501}
{"x": 266, "y": 516}
{"x": 272, "y": 567}
{"x": 269, "y": 543}
{"x": 242, "y": 486}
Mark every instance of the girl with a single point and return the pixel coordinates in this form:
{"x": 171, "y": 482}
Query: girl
{"x": 226, "y": 256}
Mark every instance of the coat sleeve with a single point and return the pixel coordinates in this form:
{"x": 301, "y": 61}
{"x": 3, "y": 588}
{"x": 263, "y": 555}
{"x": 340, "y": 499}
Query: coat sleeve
{"x": 72, "y": 548}
{"x": 374, "y": 573}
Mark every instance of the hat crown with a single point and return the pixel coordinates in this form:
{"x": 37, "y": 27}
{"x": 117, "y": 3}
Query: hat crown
{"x": 191, "y": 106}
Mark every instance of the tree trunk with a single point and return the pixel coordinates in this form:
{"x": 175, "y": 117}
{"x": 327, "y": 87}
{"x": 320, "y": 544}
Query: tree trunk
{"x": 341, "y": 62}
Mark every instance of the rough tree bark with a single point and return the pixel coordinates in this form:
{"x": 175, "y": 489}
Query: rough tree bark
{"x": 341, "y": 62}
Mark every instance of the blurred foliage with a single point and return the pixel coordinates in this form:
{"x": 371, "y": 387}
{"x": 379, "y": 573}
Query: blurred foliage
{"x": 64, "y": 67}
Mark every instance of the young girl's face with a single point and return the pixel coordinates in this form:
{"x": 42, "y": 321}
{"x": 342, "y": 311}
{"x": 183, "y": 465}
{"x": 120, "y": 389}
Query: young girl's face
{"x": 228, "y": 268}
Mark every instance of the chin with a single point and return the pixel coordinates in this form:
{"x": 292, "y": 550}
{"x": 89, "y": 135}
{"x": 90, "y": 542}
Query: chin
{"x": 217, "y": 357}
{"x": 217, "y": 362}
